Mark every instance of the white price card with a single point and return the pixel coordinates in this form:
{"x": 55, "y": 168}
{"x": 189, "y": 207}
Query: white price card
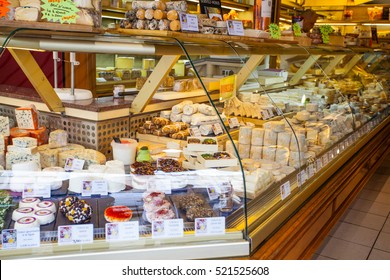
{"x": 160, "y": 184}
{"x": 270, "y": 112}
{"x": 74, "y": 164}
{"x": 279, "y": 111}
{"x": 310, "y": 171}
{"x": 122, "y": 231}
{"x": 233, "y": 122}
{"x": 167, "y": 228}
{"x": 235, "y": 27}
{"x": 34, "y": 190}
{"x": 209, "y": 226}
{"x": 265, "y": 114}
{"x": 94, "y": 187}
{"x": 319, "y": 163}
{"x": 21, "y": 238}
{"x": 194, "y": 131}
{"x": 212, "y": 192}
{"x": 189, "y": 22}
{"x": 301, "y": 177}
{"x": 285, "y": 190}
{"x": 325, "y": 159}
{"x": 75, "y": 234}
{"x": 217, "y": 129}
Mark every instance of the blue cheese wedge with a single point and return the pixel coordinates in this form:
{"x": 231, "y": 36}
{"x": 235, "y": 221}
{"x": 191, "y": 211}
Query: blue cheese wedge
{"x": 4, "y": 126}
{"x": 28, "y": 150}
{"x": 24, "y": 142}
{"x": 58, "y": 138}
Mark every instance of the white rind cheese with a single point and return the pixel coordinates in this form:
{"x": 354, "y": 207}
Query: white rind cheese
{"x": 269, "y": 153}
{"x": 257, "y": 136}
{"x": 244, "y": 150}
{"x": 24, "y": 142}
{"x": 256, "y": 152}
{"x": 245, "y": 135}
{"x": 284, "y": 139}
{"x": 270, "y": 137}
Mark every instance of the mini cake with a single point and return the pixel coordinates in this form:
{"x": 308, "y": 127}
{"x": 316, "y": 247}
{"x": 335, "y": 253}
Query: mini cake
{"x": 26, "y": 222}
{"x": 80, "y": 212}
{"x": 118, "y": 213}
{"x": 46, "y": 205}
{"x": 67, "y": 203}
{"x": 44, "y": 216}
{"x": 156, "y": 205}
{"x": 162, "y": 214}
{"x": 148, "y": 197}
{"x": 22, "y": 212}
{"x": 29, "y": 202}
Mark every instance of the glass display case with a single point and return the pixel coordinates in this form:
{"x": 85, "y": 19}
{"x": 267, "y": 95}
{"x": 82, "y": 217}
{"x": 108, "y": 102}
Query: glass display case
{"x": 203, "y": 148}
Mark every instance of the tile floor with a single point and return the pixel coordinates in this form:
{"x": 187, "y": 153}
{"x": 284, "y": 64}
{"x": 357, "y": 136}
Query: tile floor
{"x": 363, "y": 233}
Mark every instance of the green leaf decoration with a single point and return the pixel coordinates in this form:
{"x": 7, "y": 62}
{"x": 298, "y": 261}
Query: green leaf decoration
{"x": 325, "y": 31}
{"x": 275, "y": 31}
{"x": 63, "y": 11}
{"x": 297, "y": 29}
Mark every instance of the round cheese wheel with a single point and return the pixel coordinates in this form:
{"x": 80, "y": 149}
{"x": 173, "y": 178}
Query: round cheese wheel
{"x": 174, "y": 25}
{"x": 118, "y": 213}
{"x": 22, "y": 212}
{"x": 140, "y": 14}
{"x": 29, "y": 202}
{"x": 44, "y": 216}
{"x": 173, "y": 15}
{"x": 46, "y": 205}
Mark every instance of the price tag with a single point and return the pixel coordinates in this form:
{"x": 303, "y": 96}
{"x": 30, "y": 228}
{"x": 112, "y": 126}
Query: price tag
{"x": 310, "y": 171}
{"x": 319, "y": 163}
{"x": 167, "y": 228}
{"x": 21, "y": 238}
{"x": 235, "y": 27}
{"x": 195, "y": 132}
{"x": 301, "y": 177}
{"x": 279, "y": 111}
{"x": 325, "y": 159}
{"x": 160, "y": 184}
{"x": 34, "y": 190}
{"x": 94, "y": 187}
{"x": 189, "y": 22}
{"x": 75, "y": 234}
{"x": 270, "y": 112}
{"x": 285, "y": 190}
{"x": 217, "y": 129}
{"x": 209, "y": 226}
{"x": 233, "y": 122}
{"x": 74, "y": 164}
{"x": 265, "y": 114}
{"x": 212, "y": 192}
{"x": 330, "y": 156}
{"x": 122, "y": 231}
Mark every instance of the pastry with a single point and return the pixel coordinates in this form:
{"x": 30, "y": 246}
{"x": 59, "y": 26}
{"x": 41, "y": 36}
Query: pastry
{"x": 80, "y": 212}
{"x": 142, "y": 168}
{"x": 46, "y": 205}
{"x": 66, "y": 204}
{"x": 149, "y": 197}
{"x": 160, "y": 121}
{"x": 169, "y": 165}
{"x": 22, "y": 212}
{"x": 29, "y": 202}
{"x": 156, "y": 204}
{"x": 198, "y": 212}
{"x": 26, "y": 222}
{"x": 162, "y": 214}
{"x": 44, "y": 216}
{"x": 190, "y": 200}
{"x": 118, "y": 213}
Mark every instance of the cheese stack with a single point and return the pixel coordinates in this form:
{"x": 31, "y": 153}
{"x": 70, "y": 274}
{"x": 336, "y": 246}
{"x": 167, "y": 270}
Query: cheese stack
{"x": 4, "y": 136}
{"x": 23, "y": 149}
{"x": 58, "y": 143}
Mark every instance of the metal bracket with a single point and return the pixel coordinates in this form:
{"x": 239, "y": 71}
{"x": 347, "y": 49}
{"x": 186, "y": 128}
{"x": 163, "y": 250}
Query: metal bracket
{"x": 248, "y": 68}
{"x": 304, "y": 68}
{"x": 38, "y": 79}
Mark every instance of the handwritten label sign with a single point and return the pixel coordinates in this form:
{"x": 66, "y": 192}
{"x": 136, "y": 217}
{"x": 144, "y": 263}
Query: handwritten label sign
{"x": 167, "y": 228}
{"x": 75, "y": 234}
{"x": 33, "y": 190}
{"x": 94, "y": 187}
{"x": 4, "y": 8}
{"x": 235, "y": 27}
{"x": 209, "y": 226}
{"x": 63, "y": 11}
{"x": 217, "y": 129}
{"x": 74, "y": 164}
{"x": 122, "y": 231}
{"x": 21, "y": 238}
{"x": 189, "y": 22}
{"x": 285, "y": 190}
{"x": 194, "y": 131}
{"x": 233, "y": 122}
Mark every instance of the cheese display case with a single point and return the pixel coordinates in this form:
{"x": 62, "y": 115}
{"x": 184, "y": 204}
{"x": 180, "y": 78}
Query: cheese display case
{"x": 206, "y": 166}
